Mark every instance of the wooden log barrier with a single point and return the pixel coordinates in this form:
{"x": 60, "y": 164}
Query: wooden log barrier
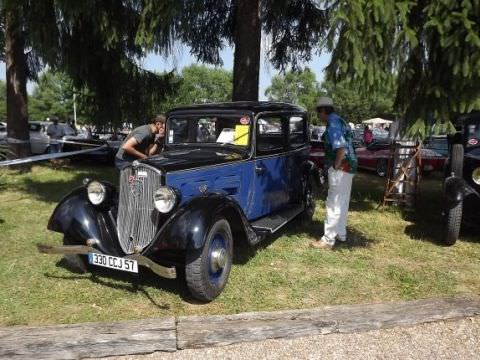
{"x": 88, "y": 339}
{"x": 169, "y": 334}
{"x": 218, "y": 330}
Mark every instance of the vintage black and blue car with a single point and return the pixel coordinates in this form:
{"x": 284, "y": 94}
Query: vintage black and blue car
{"x": 462, "y": 183}
{"x": 230, "y": 173}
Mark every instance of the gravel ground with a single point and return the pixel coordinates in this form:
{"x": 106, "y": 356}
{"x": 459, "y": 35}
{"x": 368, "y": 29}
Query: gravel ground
{"x": 458, "y": 339}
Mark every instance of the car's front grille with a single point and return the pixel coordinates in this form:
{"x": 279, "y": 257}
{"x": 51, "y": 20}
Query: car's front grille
{"x": 137, "y": 219}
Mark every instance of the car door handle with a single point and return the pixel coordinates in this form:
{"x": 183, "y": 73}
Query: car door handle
{"x": 259, "y": 169}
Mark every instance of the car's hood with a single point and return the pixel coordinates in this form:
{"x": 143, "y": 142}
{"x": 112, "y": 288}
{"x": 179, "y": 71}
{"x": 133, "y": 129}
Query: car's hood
{"x": 192, "y": 157}
{"x": 473, "y": 153}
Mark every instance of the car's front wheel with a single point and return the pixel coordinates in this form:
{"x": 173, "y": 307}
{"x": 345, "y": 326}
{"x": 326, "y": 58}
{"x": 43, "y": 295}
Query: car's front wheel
{"x": 207, "y": 269}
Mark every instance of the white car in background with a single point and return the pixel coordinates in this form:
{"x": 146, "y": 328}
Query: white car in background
{"x": 39, "y": 140}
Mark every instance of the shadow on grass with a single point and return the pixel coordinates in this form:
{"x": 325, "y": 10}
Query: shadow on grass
{"x": 55, "y": 188}
{"x": 130, "y": 282}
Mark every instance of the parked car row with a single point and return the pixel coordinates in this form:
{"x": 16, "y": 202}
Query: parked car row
{"x": 39, "y": 140}
{"x": 375, "y": 157}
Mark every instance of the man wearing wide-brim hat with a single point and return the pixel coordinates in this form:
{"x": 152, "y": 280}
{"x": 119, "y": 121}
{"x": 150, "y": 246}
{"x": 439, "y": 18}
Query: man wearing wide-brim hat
{"x": 341, "y": 162}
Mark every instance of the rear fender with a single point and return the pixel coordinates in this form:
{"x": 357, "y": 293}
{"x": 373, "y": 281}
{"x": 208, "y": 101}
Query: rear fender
{"x": 188, "y": 227}
{"x": 79, "y": 220}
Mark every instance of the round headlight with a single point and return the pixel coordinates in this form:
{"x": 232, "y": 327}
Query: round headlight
{"x": 165, "y": 199}
{"x": 96, "y": 192}
{"x": 476, "y": 176}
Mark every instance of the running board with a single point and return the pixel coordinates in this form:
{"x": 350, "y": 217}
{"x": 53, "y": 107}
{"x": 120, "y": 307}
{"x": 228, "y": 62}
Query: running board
{"x": 274, "y": 222}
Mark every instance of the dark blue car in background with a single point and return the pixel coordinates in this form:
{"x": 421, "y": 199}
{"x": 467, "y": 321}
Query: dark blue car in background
{"x": 231, "y": 173}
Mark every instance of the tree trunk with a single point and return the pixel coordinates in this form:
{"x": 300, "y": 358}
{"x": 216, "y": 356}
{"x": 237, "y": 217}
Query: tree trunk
{"x": 248, "y": 36}
{"x": 15, "y": 59}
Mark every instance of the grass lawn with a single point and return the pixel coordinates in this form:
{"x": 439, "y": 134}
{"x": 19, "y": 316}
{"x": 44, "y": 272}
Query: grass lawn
{"x": 391, "y": 257}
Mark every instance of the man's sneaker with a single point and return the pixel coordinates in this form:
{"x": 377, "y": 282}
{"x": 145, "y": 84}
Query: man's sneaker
{"x": 321, "y": 244}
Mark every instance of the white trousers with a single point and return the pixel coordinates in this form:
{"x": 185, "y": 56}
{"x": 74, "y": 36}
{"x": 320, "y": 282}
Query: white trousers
{"x": 338, "y": 200}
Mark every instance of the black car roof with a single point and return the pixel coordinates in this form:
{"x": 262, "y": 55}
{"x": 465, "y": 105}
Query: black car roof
{"x": 251, "y": 106}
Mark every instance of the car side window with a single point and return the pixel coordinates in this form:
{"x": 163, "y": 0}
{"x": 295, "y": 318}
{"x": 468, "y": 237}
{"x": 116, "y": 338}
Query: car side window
{"x": 270, "y": 135}
{"x": 297, "y": 131}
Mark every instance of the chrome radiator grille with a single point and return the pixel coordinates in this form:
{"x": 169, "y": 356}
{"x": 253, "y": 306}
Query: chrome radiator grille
{"x": 137, "y": 217}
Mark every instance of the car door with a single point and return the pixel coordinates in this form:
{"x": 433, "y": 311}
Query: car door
{"x": 271, "y": 180}
{"x": 296, "y": 157}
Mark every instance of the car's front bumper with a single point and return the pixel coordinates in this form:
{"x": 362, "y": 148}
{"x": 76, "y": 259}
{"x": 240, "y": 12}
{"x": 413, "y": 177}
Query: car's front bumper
{"x": 166, "y": 272}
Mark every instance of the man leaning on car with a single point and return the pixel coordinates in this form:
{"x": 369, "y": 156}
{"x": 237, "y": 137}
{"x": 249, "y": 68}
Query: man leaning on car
{"x": 341, "y": 161}
{"x": 143, "y": 141}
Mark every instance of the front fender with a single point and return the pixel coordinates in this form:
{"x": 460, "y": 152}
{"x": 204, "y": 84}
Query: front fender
{"x": 454, "y": 190}
{"x": 188, "y": 227}
{"x": 79, "y": 221}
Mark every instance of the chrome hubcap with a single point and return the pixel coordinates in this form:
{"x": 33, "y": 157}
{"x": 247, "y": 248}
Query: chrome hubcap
{"x": 219, "y": 259}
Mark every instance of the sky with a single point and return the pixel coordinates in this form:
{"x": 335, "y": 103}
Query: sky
{"x": 181, "y": 58}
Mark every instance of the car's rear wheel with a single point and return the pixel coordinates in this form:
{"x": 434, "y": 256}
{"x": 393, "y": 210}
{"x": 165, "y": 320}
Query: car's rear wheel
{"x": 309, "y": 201}
{"x": 453, "y": 224}
{"x": 454, "y": 215}
{"x": 74, "y": 262}
{"x": 207, "y": 269}
{"x": 381, "y": 168}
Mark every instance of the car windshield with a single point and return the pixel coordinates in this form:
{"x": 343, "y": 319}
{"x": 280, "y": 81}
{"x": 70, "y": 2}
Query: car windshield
{"x": 221, "y": 130}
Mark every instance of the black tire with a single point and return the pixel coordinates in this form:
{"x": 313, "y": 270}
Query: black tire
{"x": 310, "y": 203}
{"x": 205, "y": 273}
{"x": 453, "y": 221}
{"x": 453, "y": 224}
{"x": 381, "y": 168}
{"x": 456, "y": 160}
{"x": 74, "y": 262}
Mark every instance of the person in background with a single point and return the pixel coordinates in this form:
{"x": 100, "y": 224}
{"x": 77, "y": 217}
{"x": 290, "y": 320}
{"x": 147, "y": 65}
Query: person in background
{"x": 367, "y": 135}
{"x": 142, "y": 142}
{"x": 56, "y": 132}
{"x": 341, "y": 161}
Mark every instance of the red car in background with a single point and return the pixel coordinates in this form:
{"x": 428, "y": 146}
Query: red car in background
{"x": 375, "y": 157}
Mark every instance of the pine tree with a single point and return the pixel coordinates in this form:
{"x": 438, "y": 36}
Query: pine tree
{"x": 431, "y": 46}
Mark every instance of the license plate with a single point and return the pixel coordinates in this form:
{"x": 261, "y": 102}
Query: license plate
{"x": 113, "y": 262}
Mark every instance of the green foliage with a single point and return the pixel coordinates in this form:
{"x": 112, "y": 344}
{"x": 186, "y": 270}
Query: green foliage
{"x": 199, "y": 84}
{"x": 432, "y": 47}
{"x": 351, "y": 100}
{"x": 354, "y": 103}
{"x": 53, "y": 97}
{"x": 296, "y": 87}
{"x": 98, "y": 45}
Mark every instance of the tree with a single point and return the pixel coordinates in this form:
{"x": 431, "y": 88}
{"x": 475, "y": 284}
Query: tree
{"x": 200, "y": 84}
{"x": 350, "y": 99}
{"x": 356, "y": 104}
{"x": 431, "y": 47}
{"x": 293, "y": 27}
{"x": 97, "y": 43}
{"x": 15, "y": 61}
{"x": 3, "y": 101}
{"x": 297, "y": 87}
{"x": 52, "y": 97}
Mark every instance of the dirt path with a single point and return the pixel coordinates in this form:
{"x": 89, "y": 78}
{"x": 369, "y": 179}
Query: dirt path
{"x": 458, "y": 339}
